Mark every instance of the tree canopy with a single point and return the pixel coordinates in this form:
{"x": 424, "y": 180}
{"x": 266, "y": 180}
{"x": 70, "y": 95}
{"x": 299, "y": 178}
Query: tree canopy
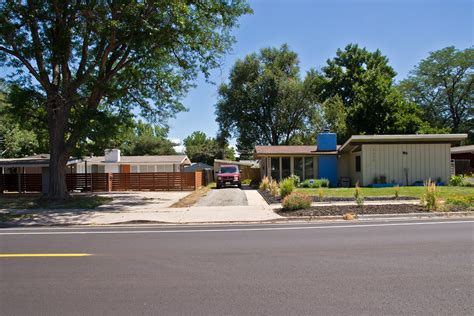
{"x": 443, "y": 85}
{"x": 364, "y": 82}
{"x": 265, "y": 100}
{"x": 77, "y": 56}
{"x": 200, "y": 148}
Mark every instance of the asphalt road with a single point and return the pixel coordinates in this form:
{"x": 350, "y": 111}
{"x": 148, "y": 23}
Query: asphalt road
{"x": 308, "y": 269}
{"x": 224, "y": 197}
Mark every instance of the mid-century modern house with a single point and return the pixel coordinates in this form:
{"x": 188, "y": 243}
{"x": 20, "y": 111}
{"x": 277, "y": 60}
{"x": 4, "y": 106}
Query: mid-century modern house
{"x": 367, "y": 159}
{"x": 114, "y": 162}
{"x": 463, "y": 157}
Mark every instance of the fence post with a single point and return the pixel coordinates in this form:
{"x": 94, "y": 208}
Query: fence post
{"x": 92, "y": 182}
{"x": 109, "y": 182}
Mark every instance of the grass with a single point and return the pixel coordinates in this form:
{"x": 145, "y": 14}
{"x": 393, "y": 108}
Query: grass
{"x": 19, "y": 201}
{"x": 191, "y": 199}
{"x": 444, "y": 192}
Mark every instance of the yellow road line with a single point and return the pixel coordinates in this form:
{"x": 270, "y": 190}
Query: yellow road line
{"x": 20, "y": 255}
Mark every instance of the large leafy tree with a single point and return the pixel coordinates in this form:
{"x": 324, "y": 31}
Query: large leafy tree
{"x": 265, "y": 100}
{"x": 364, "y": 82}
{"x": 200, "y": 148}
{"x": 78, "y": 55}
{"x": 443, "y": 85}
{"x": 148, "y": 140}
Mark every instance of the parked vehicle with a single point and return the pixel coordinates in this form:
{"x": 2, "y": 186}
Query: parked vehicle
{"x": 228, "y": 175}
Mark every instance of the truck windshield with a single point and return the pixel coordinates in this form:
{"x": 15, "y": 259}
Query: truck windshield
{"x": 229, "y": 169}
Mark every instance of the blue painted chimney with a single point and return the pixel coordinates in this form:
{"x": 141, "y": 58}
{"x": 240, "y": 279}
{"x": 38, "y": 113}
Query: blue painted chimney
{"x": 327, "y": 163}
{"x": 326, "y": 141}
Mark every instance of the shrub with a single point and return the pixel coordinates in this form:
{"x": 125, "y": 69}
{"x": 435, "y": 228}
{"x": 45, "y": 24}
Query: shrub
{"x": 296, "y": 180}
{"x": 320, "y": 194}
{"x": 456, "y": 180}
{"x": 316, "y": 183}
{"x": 246, "y": 181}
{"x": 358, "y": 195}
{"x": 264, "y": 184}
{"x": 430, "y": 197}
{"x": 397, "y": 192}
{"x": 287, "y": 186}
{"x": 273, "y": 188}
{"x": 349, "y": 216}
{"x": 296, "y": 201}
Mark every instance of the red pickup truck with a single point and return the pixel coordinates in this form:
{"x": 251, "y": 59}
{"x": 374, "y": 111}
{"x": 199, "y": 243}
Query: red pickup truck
{"x": 228, "y": 175}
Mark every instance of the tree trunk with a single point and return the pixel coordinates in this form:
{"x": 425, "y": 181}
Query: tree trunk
{"x": 57, "y": 123}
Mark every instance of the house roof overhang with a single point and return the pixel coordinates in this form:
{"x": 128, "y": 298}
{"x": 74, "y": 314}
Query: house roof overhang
{"x": 463, "y": 150}
{"x": 35, "y": 161}
{"x": 357, "y": 140}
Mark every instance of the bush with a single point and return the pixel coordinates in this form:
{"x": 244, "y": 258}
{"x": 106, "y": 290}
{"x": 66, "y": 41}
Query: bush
{"x": 397, "y": 192}
{"x": 430, "y": 197}
{"x": 264, "y": 184}
{"x": 296, "y": 180}
{"x": 273, "y": 188}
{"x": 296, "y": 201}
{"x": 317, "y": 183}
{"x": 286, "y": 187}
{"x": 246, "y": 181}
{"x": 358, "y": 195}
{"x": 456, "y": 180}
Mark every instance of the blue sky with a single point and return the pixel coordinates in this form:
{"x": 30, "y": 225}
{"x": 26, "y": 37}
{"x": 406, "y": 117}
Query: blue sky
{"x": 404, "y": 30}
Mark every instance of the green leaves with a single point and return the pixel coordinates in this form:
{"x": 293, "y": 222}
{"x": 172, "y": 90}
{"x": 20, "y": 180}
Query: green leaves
{"x": 200, "y": 148}
{"x": 265, "y": 101}
{"x": 443, "y": 85}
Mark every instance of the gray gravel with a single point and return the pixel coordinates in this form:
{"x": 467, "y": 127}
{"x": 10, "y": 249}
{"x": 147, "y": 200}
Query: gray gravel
{"x": 224, "y": 197}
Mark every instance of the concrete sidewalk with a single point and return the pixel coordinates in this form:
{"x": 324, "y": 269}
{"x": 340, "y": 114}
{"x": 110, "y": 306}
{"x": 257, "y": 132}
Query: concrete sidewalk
{"x": 149, "y": 207}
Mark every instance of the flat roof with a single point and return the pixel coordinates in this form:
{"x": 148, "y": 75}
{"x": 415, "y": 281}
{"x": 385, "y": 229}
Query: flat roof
{"x": 290, "y": 150}
{"x": 469, "y": 149}
{"x": 402, "y": 139}
{"x": 248, "y": 163}
{"x": 161, "y": 159}
{"x": 41, "y": 160}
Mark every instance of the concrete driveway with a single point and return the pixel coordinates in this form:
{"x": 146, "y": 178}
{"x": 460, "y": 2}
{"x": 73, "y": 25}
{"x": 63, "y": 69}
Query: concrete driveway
{"x": 224, "y": 197}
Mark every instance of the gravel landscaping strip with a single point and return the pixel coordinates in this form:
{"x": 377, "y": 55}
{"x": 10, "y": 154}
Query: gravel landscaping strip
{"x": 364, "y": 210}
{"x": 277, "y": 199}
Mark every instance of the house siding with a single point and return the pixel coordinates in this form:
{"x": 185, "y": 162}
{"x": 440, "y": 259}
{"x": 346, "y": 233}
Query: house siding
{"x": 422, "y": 161}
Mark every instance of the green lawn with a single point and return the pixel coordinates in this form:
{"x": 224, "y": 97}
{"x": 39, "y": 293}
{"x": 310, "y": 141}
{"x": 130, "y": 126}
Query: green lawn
{"x": 443, "y": 192}
{"x": 16, "y": 201}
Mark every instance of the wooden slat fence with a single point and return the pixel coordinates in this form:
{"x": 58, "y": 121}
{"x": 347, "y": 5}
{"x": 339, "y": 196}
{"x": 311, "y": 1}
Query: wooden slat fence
{"x": 153, "y": 181}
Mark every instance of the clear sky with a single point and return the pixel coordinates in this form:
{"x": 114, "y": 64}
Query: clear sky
{"x": 404, "y": 30}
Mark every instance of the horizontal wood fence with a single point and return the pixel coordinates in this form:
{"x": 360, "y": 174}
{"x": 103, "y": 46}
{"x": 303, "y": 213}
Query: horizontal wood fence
{"x": 153, "y": 181}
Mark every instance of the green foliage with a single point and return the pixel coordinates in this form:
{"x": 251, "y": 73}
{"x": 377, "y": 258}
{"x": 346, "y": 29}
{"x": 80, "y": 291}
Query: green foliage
{"x": 148, "y": 140}
{"x": 462, "y": 201}
{"x": 296, "y": 201}
{"x": 296, "y": 180}
{"x": 359, "y": 197}
{"x": 264, "y": 184}
{"x": 363, "y": 82}
{"x": 442, "y": 85}
{"x": 287, "y": 186}
{"x": 456, "y": 180}
{"x": 397, "y": 192}
{"x": 246, "y": 181}
{"x": 265, "y": 101}
{"x": 201, "y": 148}
{"x": 316, "y": 183}
{"x": 429, "y": 197}
{"x": 121, "y": 56}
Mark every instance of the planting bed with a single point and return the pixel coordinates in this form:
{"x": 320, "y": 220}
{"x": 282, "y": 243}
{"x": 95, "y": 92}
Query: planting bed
{"x": 364, "y": 210}
{"x": 277, "y": 199}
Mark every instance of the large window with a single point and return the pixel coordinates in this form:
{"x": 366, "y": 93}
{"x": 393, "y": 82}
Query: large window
{"x": 298, "y": 165}
{"x": 308, "y": 167}
{"x": 357, "y": 162}
{"x": 285, "y": 167}
{"x": 275, "y": 168}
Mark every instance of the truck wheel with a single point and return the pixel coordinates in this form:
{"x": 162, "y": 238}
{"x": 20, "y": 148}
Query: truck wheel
{"x": 239, "y": 185}
{"x": 218, "y": 186}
